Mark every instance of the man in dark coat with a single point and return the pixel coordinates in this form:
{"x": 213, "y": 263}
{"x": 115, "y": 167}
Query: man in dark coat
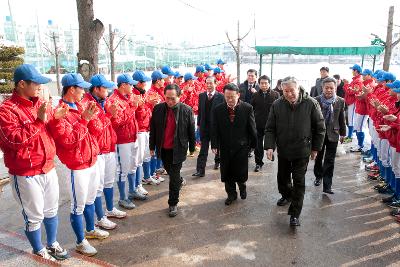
{"x": 296, "y": 127}
{"x": 332, "y": 107}
{"x": 248, "y": 88}
{"x": 262, "y": 102}
{"x": 316, "y": 90}
{"x": 171, "y": 134}
{"x": 208, "y": 100}
{"x": 234, "y": 134}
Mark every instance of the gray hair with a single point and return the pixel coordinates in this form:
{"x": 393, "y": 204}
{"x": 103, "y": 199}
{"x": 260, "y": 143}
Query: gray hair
{"x": 289, "y": 80}
{"x": 329, "y": 80}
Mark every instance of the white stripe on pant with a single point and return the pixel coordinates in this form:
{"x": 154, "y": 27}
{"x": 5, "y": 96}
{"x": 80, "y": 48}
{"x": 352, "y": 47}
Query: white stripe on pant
{"x": 106, "y": 167}
{"x": 83, "y": 184}
{"x": 38, "y": 196}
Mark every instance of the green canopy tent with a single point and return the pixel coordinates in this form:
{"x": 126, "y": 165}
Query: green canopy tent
{"x": 373, "y": 50}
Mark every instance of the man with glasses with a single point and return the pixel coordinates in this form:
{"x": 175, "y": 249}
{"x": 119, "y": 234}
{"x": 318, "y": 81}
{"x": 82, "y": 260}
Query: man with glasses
{"x": 171, "y": 134}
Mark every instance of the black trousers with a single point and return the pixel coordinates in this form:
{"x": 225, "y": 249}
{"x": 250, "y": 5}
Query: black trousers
{"x": 291, "y": 182}
{"x": 230, "y": 188}
{"x": 325, "y": 163}
{"x": 203, "y": 154}
{"x": 259, "y": 151}
{"x": 174, "y": 172}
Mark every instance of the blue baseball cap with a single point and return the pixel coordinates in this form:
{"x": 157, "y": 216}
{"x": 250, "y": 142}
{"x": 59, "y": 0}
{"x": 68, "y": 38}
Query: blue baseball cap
{"x": 189, "y": 76}
{"x": 378, "y": 73}
{"x": 158, "y": 75}
{"x": 220, "y": 61}
{"x": 140, "y": 76}
{"x": 387, "y": 76}
{"x": 125, "y": 78}
{"x": 27, "y": 72}
{"x": 74, "y": 79}
{"x": 178, "y": 74}
{"x": 99, "y": 80}
{"x": 367, "y": 72}
{"x": 167, "y": 70}
{"x": 208, "y": 66}
{"x": 357, "y": 68}
{"x": 395, "y": 86}
{"x": 200, "y": 69}
{"x": 218, "y": 70}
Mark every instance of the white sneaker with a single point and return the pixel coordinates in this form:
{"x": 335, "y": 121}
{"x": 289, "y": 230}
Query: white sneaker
{"x": 45, "y": 255}
{"x": 159, "y": 178}
{"x": 96, "y": 234}
{"x": 151, "y": 181}
{"x": 116, "y": 213}
{"x": 85, "y": 248}
{"x": 141, "y": 190}
{"x": 105, "y": 223}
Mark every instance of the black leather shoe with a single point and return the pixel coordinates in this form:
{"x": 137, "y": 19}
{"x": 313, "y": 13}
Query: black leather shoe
{"x": 198, "y": 174}
{"x": 243, "y": 193}
{"x": 317, "y": 181}
{"x": 282, "y": 202}
{"x": 230, "y": 200}
{"x": 216, "y": 166}
{"x": 257, "y": 168}
{"x": 294, "y": 221}
{"x": 328, "y": 191}
{"x": 173, "y": 211}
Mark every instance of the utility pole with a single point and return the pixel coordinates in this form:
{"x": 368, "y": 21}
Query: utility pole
{"x": 111, "y": 49}
{"x": 388, "y": 45}
{"x": 56, "y": 55}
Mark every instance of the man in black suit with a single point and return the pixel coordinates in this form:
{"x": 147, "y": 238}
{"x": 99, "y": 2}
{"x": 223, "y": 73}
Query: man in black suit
{"x": 171, "y": 134}
{"x": 234, "y": 133}
{"x": 262, "y": 102}
{"x": 332, "y": 107}
{"x": 207, "y": 102}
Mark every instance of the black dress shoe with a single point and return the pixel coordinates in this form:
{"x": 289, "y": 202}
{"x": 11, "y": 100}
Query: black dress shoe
{"x": 257, "y": 168}
{"x": 317, "y": 181}
{"x": 198, "y": 174}
{"x": 173, "y": 211}
{"x": 282, "y": 201}
{"x": 294, "y": 221}
{"x": 243, "y": 193}
{"x": 230, "y": 200}
{"x": 328, "y": 191}
{"x": 216, "y": 166}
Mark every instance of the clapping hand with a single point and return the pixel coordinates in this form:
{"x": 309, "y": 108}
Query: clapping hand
{"x": 61, "y": 111}
{"x": 89, "y": 112}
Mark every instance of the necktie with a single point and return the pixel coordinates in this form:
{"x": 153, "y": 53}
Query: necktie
{"x": 209, "y": 96}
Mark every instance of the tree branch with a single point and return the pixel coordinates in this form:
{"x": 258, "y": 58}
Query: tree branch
{"x": 231, "y": 43}
{"x": 108, "y": 46}
{"x": 47, "y": 49}
{"x": 119, "y": 42}
{"x": 395, "y": 43}
{"x": 246, "y": 34}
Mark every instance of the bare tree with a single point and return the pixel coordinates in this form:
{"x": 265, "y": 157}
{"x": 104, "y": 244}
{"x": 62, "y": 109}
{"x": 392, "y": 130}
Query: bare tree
{"x": 112, "y": 49}
{"x": 237, "y": 48}
{"x": 56, "y": 53}
{"x": 90, "y": 32}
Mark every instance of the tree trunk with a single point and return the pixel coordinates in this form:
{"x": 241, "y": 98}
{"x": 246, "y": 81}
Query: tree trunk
{"x": 238, "y": 55}
{"x": 90, "y": 32}
{"x": 57, "y": 55}
{"x": 111, "y": 49}
{"x": 388, "y": 45}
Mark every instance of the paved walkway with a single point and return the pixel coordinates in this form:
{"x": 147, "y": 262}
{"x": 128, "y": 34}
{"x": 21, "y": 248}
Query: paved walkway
{"x": 350, "y": 228}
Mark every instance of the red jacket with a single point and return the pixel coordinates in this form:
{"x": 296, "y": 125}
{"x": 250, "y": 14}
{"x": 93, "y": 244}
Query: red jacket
{"x": 191, "y": 99}
{"x": 392, "y": 134}
{"x": 221, "y": 82}
{"x": 361, "y": 104}
{"x": 143, "y": 113}
{"x": 25, "y": 141}
{"x": 100, "y": 126}
{"x": 124, "y": 124}
{"x": 76, "y": 147}
{"x": 159, "y": 91}
{"x": 390, "y": 103}
{"x": 356, "y": 82}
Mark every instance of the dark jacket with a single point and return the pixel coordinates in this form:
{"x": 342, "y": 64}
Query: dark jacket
{"x": 338, "y": 127}
{"x": 184, "y": 131}
{"x": 204, "y": 118}
{"x": 295, "y": 129}
{"x": 340, "y": 90}
{"x": 318, "y": 87}
{"x": 245, "y": 94}
{"x": 234, "y": 140}
{"x": 262, "y": 103}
